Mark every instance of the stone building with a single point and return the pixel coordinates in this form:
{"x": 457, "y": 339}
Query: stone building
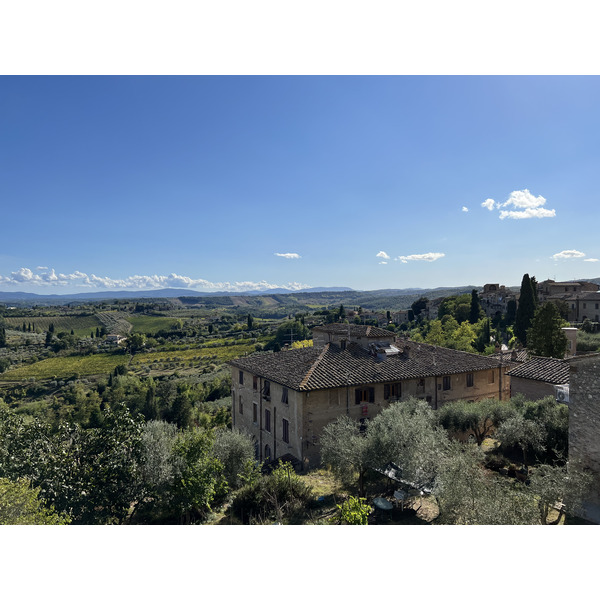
{"x": 540, "y": 377}
{"x": 584, "y": 424}
{"x": 494, "y": 299}
{"x": 582, "y": 298}
{"x": 283, "y": 400}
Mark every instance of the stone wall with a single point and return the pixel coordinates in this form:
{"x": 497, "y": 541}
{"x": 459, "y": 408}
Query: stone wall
{"x": 531, "y": 389}
{"x": 584, "y": 423}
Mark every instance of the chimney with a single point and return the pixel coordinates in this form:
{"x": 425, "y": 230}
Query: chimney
{"x": 571, "y": 333}
{"x": 406, "y": 351}
{"x": 513, "y": 355}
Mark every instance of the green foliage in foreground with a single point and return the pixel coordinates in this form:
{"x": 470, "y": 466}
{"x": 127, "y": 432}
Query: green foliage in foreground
{"x": 280, "y": 496}
{"x": 20, "y": 505}
{"x": 408, "y": 434}
{"x": 353, "y": 511}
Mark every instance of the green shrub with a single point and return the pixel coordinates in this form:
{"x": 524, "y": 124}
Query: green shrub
{"x": 281, "y": 496}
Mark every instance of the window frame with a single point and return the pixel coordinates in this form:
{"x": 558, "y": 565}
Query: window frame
{"x": 285, "y": 430}
{"x": 446, "y": 383}
{"x": 470, "y": 380}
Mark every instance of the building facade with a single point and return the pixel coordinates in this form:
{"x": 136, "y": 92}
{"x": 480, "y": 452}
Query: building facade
{"x": 283, "y": 400}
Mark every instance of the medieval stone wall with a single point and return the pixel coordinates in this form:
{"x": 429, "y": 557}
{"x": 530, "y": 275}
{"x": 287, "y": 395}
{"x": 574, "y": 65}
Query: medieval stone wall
{"x": 584, "y": 423}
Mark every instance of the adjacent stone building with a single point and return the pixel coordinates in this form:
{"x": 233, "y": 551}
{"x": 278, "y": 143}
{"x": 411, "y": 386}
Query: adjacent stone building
{"x": 584, "y": 424}
{"x": 283, "y": 400}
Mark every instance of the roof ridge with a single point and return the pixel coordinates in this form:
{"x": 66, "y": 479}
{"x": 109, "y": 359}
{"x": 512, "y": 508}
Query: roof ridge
{"x": 313, "y": 367}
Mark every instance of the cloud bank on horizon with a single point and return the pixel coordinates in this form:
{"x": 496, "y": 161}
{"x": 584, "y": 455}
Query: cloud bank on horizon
{"x": 49, "y": 278}
{"x": 528, "y": 206}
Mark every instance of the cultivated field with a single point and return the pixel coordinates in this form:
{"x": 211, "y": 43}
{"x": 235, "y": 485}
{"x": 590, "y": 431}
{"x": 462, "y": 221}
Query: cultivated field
{"x": 151, "y": 324}
{"x": 63, "y": 367}
{"x": 217, "y": 354}
{"x": 81, "y": 326}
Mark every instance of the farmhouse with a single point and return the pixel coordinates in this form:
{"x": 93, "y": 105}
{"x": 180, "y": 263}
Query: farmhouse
{"x": 285, "y": 399}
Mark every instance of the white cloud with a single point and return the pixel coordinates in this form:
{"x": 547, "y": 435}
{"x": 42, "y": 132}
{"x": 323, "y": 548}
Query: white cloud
{"x": 288, "y": 255}
{"x": 524, "y": 199}
{"x": 530, "y": 206}
{"x": 382, "y": 254}
{"x": 528, "y": 213}
{"x": 465, "y": 209}
{"x": 25, "y": 276}
{"x": 568, "y": 254}
{"x": 383, "y": 262}
{"x": 41, "y": 268}
{"x": 429, "y": 257}
{"x": 591, "y": 260}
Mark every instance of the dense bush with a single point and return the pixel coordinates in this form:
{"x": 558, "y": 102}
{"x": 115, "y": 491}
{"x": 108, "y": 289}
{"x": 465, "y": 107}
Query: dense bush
{"x": 280, "y": 496}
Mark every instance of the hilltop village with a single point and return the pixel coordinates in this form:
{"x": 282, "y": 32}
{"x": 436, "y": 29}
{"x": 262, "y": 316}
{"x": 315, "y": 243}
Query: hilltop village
{"x": 373, "y": 408}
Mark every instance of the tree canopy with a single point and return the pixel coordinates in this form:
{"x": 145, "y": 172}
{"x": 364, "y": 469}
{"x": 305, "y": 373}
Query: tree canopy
{"x": 545, "y": 337}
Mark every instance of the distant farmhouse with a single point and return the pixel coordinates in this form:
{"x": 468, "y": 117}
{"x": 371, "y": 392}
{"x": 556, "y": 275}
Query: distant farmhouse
{"x": 283, "y": 400}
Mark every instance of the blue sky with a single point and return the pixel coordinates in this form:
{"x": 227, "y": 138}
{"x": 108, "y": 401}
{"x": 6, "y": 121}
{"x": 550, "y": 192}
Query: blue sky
{"x": 250, "y": 182}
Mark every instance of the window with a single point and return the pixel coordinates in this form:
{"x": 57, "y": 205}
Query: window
{"x": 267, "y": 420}
{"x": 241, "y": 406}
{"x": 254, "y": 413}
{"x": 267, "y": 452}
{"x": 597, "y": 305}
{"x": 255, "y": 382}
{"x": 446, "y": 383}
{"x": 285, "y": 434}
{"x": 392, "y": 390}
{"x": 284, "y": 395}
{"x": 491, "y": 376}
{"x": 421, "y": 383}
{"x": 241, "y": 379}
{"x": 469, "y": 379}
{"x": 364, "y": 395}
{"x": 584, "y": 305}
{"x": 267, "y": 390}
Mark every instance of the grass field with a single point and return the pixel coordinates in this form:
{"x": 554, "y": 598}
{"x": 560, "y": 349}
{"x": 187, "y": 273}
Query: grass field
{"x": 63, "y": 367}
{"x": 81, "y": 326}
{"x": 151, "y": 324}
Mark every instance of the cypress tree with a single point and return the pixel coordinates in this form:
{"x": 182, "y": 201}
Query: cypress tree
{"x": 525, "y": 310}
{"x": 475, "y": 308}
{"x": 2, "y": 337}
{"x": 534, "y": 287}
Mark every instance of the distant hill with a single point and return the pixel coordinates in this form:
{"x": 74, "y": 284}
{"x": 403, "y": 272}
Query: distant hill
{"x": 307, "y": 299}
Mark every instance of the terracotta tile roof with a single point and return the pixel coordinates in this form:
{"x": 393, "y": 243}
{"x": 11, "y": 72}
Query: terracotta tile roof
{"x": 506, "y": 356}
{"x": 308, "y": 369}
{"x": 548, "y": 370}
{"x": 355, "y": 330}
